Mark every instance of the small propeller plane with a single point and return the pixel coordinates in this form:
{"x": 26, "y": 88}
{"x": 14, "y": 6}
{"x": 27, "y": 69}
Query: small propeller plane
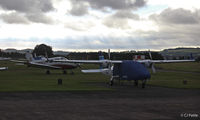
{"x": 4, "y": 59}
{"x": 48, "y": 63}
{"x": 124, "y": 69}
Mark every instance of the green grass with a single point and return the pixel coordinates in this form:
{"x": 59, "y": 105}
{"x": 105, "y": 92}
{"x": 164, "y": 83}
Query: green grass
{"x": 188, "y": 66}
{"x": 175, "y": 73}
{"x": 21, "y": 78}
{"x": 175, "y": 80}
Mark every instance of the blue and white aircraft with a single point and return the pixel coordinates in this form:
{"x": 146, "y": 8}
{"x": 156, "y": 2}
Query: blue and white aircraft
{"x": 124, "y": 69}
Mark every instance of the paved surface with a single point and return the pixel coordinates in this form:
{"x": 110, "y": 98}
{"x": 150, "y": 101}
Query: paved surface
{"x": 126, "y": 103}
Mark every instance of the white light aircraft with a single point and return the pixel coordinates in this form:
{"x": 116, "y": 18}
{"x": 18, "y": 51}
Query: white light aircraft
{"x": 48, "y": 63}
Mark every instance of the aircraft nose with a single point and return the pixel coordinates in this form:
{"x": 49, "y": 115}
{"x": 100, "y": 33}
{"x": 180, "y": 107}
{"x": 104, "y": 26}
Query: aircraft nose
{"x": 133, "y": 70}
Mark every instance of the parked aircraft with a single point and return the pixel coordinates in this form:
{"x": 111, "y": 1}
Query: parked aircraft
{"x": 4, "y": 58}
{"x": 123, "y": 69}
{"x": 48, "y": 63}
{"x": 3, "y": 68}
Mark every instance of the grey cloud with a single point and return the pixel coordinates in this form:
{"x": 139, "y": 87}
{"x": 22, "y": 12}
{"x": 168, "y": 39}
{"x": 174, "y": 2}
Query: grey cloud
{"x": 126, "y": 14}
{"x": 26, "y": 11}
{"x": 79, "y": 9}
{"x": 176, "y": 16}
{"x": 120, "y": 19}
{"x": 17, "y": 18}
{"x": 117, "y": 4}
{"x": 39, "y": 18}
{"x": 116, "y": 23}
{"x": 177, "y": 27}
{"x": 79, "y": 25}
{"x": 14, "y": 18}
{"x": 27, "y": 6}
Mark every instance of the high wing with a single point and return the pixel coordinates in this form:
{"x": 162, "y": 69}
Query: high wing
{"x": 90, "y": 61}
{"x": 35, "y": 64}
{"x": 164, "y": 61}
{"x": 4, "y": 59}
{"x": 39, "y": 65}
{"x": 120, "y": 61}
{"x": 18, "y": 61}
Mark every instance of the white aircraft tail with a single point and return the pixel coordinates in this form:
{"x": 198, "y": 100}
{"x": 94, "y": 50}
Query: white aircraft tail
{"x": 29, "y": 57}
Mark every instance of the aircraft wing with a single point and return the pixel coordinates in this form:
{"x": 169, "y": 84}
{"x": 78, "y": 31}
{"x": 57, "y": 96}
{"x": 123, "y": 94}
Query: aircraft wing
{"x": 18, "y": 61}
{"x": 90, "y": 61}
{"x": 34, "y": 64}
{"x": 120, "y": 61}
{"x": 39, "y": 65}
{"x": 4, "y": 59}
{"x": 164, "y": 61}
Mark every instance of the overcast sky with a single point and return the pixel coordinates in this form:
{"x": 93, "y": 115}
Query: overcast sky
{"x": 100, "y": 24}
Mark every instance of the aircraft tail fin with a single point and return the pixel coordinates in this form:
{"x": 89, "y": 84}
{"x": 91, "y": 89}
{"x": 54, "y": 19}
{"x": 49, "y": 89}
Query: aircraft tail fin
{"x": 29, "y": 56}
{"x": 101, "y": 57}
{"x": 191, "y": 56}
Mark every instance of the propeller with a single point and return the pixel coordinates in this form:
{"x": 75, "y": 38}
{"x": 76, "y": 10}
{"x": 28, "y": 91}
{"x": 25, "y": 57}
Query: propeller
{"x": 153, "y": 68}
{"x": 109, "y": 62}
{"x": 108, "y": 54}
{"x": 152, "y": 64}
{"x": 46, "y": 56}
{"x": 150, "y": 55}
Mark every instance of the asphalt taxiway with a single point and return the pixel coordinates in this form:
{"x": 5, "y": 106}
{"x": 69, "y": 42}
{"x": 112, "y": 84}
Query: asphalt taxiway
{"x": 124, "y": 103}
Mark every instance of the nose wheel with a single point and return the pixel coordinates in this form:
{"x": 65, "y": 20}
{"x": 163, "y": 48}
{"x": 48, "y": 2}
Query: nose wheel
{"x": 64, "y": 72}
{"x": 136, "y": 83}
{"x": 48, "y": 72}
{"x": 144, "y": 83}
{"x": 111, "y": 81}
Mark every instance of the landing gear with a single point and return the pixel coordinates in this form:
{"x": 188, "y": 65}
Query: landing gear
{"x": 48, "y": 72}
{"x": 111, "y": 81}
{"x": 143, "y": 83}
{"x": 72, "y": 73}
{"x": 64, "y": 72}
{"x": 136, "y": 83}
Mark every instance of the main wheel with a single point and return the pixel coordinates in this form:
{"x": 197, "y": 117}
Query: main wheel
{"x": 136, "y": 83}
{"x": 72, "y": 73}
{"x": 143, "y": 85}
{"x": 64, "y": 72}
{"x": 47, "y": 72}
{"x": 111, "y": 82}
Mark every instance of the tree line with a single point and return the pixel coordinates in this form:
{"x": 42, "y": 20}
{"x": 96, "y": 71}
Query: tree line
{"x": 45, "y": 50}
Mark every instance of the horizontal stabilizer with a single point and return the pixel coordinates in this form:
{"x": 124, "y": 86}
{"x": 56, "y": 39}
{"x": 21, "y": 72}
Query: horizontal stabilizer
{"x": 3, "y": 68}
{"x": 95, "y": 70}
